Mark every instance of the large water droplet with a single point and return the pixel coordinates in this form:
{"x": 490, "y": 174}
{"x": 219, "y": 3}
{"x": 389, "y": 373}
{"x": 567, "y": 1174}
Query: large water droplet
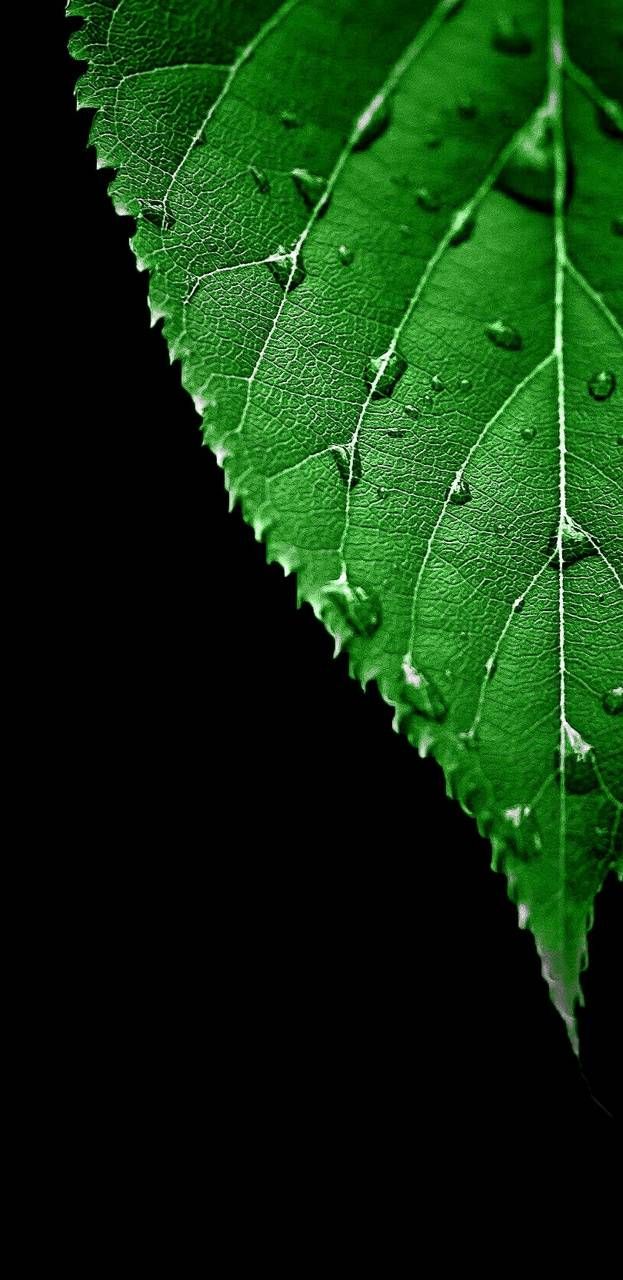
{"x": 372, "y": 123}
{"x": 346, "y": 255}
{"x": 529, "y": 174}
{"x": 602, "y": 384}
{"x": 579, "y": 763}
{"x": 612, "y": 701}
{"x": 610, "y": 119}
{"x": 427, "y": 200}
{"x": 575, "y": 545}
{"x": 517, "y": 835}
{"x": 459, "y": 492}
{"x": 281, "y": 269}
{"x": 310, "y": 187}
{"x": 528, "y": 433}
{"x": 466, "y": 107}
{"x": 421, "y": 694}
{"x": 392, "y": 367}
{"x": 359, "y": 606}
{"x": 510, "y": 37}
{"x": 464, "y": 231}
{"x": 154, "y": 212}
{"x": 504, "y": 336}
{"x": 260, "y": 179}
{"x": 342, "y": 455}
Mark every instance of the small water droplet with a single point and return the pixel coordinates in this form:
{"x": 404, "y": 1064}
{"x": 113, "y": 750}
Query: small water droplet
{"x": 575, "y": 544}
{"x": 421, "y": 694}
{"x": 528, "y": 433}
{"x": 395, "y": 433}
{"x": 289, "y": 120}
{"x": 346, "y": 255}
{"x": 519, "y": 603}
{"x": 427, "y": 200}
{"x": 464, "y": 231}
{"x": 432, "y": 140}
{"x": 342, "y": 457}
{"x": 612, "y": 701}
{"x": 602, "y": 384}
{"x": 579, "y": 763}
{"x": 465, "y": 384}
{"x": 427, "y": 400}
{"x": 383, "y": 382}
{"x": 510, "y": 37}
{"x": 359, "y": 606}
{"x": 411, "y": 411}
{"x": 504, "y": 336}
{"x": 372, "y": 123}
{"x": 437, "y": 384}
{"x": 281, "y": 270}
{"x": 617, "y": 225}
{"x": 260, "y": 179}
{"x": 491, "y": 667}
{"x": 610, "y": 119}
{"x": 312, "y": 188}
{"x": 466, "y": 107}
{"x": 459, "y": 492}
{"x": 517, "y": 835}
{"x": 500, "y": 529}
{"x": 381, "y": 492}
{"x": 405, "y": 230}
{"x": 529, "y": 174}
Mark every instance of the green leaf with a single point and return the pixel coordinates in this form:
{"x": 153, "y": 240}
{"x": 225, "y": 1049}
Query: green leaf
{"x": 385, "y": 239}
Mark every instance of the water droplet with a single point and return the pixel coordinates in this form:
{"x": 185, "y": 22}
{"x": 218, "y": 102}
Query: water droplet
{"x": 459, "y": 492}
{"x": 466, "y": 107}
{"x": 575, "y": 543}
{"x": 529, "y": 174}
{"x": 465, "y": 384}
{"x": 154, "y": 212}
{"x": 427, "y": 200}
{"x": 602, "y": 384}
{"x": 500, "y": 529}
{"x": 359, "y": 606}
{"x": 260, "y": 179}
{"x": 383, "y": 382}
{"x": 617, "y": 225}
{"x": 491, "y": 667}
{"x": 509, "y": 37}
{"x": 427, "y": 400}
{"x": 289, "y": 120}
{"x": 405, "y": 230}
{"x": 346, "y": 255}
{"x": 610, "y": 119}
{"x": 342, "y": 456}
{"x": 528, "y": 433}
{"x": 452, "y": 7}
{"x": 612, "y": 701}
{"x": 436, "y": 384}
{"x": 372, "y": 123}
{"x": 411, "y": 411}
{"x": 432, "y": 140}
{"x": 421, "y": 694}
{"x": 312, "y": 188}
{"x": 464, "y": 231}
{"x": 395, "y": 433}
{"x": 519, "y": 603}
{"x": 579, "y": 763}
{"x": 517, "y": 835}
{"x": 381, "y": 492}
{"x": 281, "y": 269}
{"x": 504, "y": 336}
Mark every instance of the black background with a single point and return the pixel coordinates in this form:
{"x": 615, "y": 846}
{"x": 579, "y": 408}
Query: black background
{"x": 288, "y": 901}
